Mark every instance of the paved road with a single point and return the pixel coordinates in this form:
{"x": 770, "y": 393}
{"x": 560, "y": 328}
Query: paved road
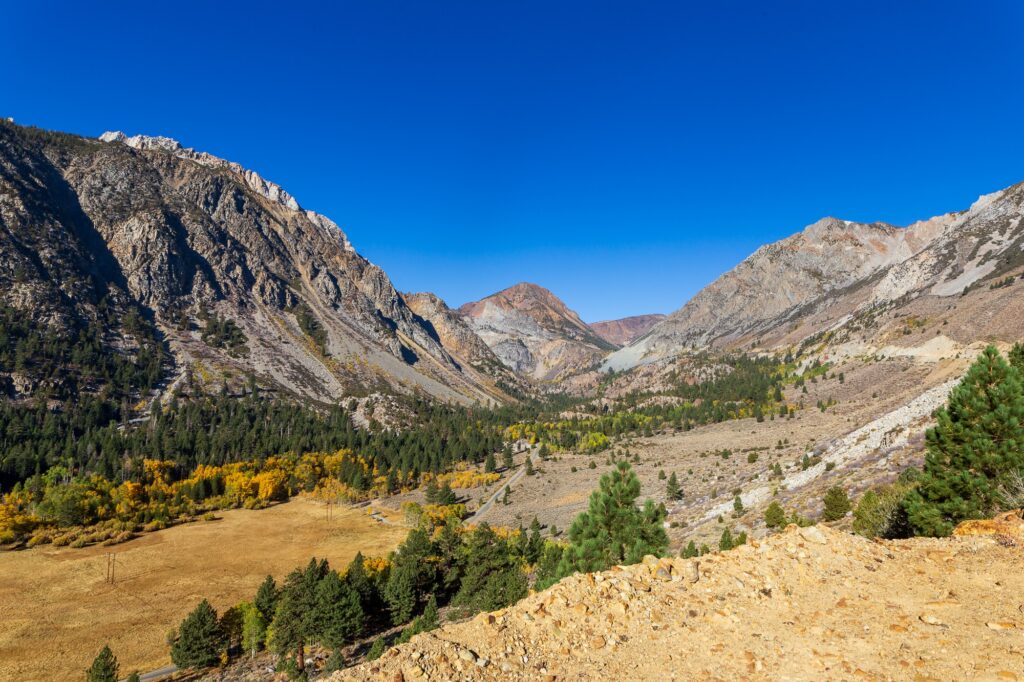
{"x": 490, "y": 502}
{"x": 157, "y": 674}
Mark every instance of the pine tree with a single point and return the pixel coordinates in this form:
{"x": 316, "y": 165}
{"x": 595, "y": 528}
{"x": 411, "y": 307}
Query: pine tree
{"x": 295, "y": 617}
{"x": 976, "y": 446}
{"x": 726, "y": 542}
{"x": 445, "y": 495}
{"x": 335, "y": 662}
{"x": 837, "y": 503}
{"x": 133, "y": 677}
{"x": 690, "y": 551}
{"x": 339, "y": 614}
{"x": 672, "y": 489}
{"x": 104, "y": 667}
{"x": 266, "y": 598}
{"x": 613, "y": 530}
{"x": 489, "y": 464}
{"x": 200, "y": 640}
{"x": 529, "y": 467}
{"x": 377, "y": 649}
{"x": 737, "y": 506}
{"x": 493, "y": 578}
{"x": 400, "y": 592}
{"x": 1016, "y": 357}
{"x": 432, "y": 491}
{"x": 774, "y": 516}
{"x": 535, "y": 544}
{"x": 355, "y": 576}
{"x": 506, "y": 457}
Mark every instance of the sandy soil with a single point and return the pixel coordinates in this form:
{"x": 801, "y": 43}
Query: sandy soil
{"x": 804, "y": 605}
{"x": 57, "y": 612}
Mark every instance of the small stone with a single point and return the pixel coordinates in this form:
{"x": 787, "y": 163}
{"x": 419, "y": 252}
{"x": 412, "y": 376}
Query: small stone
{"x": 597, "y": 643}
{"x": 467, "y": 655}
{"x": 413, "y": 672}
{"x": 929, "y": 619}
{"x": 1001, "y": 625}
{"x": 813, "y": 534}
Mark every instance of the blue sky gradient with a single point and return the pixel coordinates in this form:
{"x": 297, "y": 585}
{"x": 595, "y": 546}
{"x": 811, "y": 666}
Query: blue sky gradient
{"x": 622, "y": 154}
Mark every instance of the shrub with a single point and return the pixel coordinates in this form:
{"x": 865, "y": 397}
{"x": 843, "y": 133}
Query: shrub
{"x": 837, "y": 503}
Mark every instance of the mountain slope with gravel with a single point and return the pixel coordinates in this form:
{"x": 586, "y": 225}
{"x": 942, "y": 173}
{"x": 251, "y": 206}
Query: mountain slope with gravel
{"x": 805, "y": 604}
{"x": 836, "y": 275}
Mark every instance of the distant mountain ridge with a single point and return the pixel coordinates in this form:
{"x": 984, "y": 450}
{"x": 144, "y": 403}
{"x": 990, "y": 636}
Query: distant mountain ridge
{"x": 627, "y": 329}
{"x": 843, "y": 266}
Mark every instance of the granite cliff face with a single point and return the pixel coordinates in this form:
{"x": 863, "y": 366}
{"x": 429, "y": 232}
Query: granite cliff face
{"x": 834, "y": 272}
{"x": 535, "y": 333}
{"x": 628, "y": 329}
{"x": 459, "y": 339}
{"x": 183, "y": 234}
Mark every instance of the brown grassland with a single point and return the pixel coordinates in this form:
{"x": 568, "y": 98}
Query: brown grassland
{"x": 57, "y": 611}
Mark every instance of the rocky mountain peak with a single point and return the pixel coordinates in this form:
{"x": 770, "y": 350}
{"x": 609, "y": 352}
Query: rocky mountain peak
{"x": 253, "y": 180}
{"x": 534, "y": 332}
{"x": 841, "y": 266}
{"x": 183, "y": 234}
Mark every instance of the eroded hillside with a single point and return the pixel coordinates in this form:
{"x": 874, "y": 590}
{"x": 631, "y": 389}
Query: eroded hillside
{"x": 807, "y": 604}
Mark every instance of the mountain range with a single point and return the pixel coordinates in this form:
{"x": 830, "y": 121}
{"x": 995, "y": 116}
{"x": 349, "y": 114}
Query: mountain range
{"x": 185, "y": 237}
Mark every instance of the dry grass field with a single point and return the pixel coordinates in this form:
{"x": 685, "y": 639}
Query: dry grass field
{"x": 56, "y": 611}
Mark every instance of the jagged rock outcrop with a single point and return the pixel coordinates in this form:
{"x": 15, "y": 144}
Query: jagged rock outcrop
{"x": 459, "y": 339}
{"x": 628, "y": 329}
{"x": 182, "y": 233}
{"x": 533, "y": 332}
{"x": 847, "y": 267}
{"x": 854, "y": 608}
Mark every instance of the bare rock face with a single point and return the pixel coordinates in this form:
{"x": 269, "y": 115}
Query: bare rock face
{"x": 459, "y": 339}
{"x": 844, "y": 266}
{"x": 628, "y": 329}
{"x": 534, "y": 332}
{"x": 181, "y": 233}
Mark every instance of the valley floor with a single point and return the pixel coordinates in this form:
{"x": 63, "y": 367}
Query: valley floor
{"x": 57, "y": 611}
{"x": 889, "y": 401}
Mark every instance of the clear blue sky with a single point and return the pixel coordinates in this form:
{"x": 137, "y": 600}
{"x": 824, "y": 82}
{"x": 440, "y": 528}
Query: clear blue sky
{"x": 623, "y": 154}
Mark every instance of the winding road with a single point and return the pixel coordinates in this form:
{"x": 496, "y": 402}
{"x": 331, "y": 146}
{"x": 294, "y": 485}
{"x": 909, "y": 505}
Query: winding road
{"x": 491, "y": 500}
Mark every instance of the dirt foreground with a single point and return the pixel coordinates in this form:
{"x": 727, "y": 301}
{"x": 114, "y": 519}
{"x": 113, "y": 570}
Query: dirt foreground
{"x": 806, "y": 604}
{"x": 57, "y": 611}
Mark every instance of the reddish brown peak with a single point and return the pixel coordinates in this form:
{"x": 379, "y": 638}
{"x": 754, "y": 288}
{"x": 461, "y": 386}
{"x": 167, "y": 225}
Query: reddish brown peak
{"x": 628, "y": 329}
{"x": 522, "y": 296}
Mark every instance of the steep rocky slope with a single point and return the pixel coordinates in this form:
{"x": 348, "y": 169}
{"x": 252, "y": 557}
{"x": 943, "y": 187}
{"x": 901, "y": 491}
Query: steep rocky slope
{"x": 838, "y": 273}
{"x": 806, "y": 604}
{"x": 459, "y": 339}
{"x": 534, "y": 332}
{"x": 628, "y": 329}
{"x": 182, "y": 234}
